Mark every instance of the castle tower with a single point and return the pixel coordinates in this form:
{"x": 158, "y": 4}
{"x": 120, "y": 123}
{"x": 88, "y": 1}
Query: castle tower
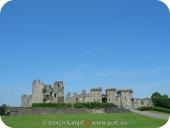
{"x": 111, "y": 95}
{"x": 126, "y": 98}
{"x": 37, "y": 91}
{"x": 96, "y": 94}
{"x": 58, "y": 91}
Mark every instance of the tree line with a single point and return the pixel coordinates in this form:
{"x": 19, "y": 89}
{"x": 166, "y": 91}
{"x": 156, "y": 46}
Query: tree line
{"x": 160, "y": 100}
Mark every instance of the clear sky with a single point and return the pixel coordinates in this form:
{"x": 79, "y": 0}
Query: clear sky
{"x": 85, "y": 43}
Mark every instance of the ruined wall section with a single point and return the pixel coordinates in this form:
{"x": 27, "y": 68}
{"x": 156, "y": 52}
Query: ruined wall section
{"x": 142, "y": 103}
{"x": 69, "y": 97}
{"x": 26, "y": 100}
{"x": 47, "y": 94}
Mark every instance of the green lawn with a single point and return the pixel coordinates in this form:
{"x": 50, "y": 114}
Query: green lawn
{"x": 128, "y": 120}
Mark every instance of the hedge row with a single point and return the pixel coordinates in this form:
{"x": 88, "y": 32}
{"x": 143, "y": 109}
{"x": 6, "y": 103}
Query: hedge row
{"x": 159, "y": 109}
{"x": 75, "y": 105}
{"x": 52, "y": 105}
{"x": 93, "y": 105}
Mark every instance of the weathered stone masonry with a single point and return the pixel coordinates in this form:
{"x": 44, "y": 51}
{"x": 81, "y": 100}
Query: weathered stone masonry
{"x": 43, "y": 93}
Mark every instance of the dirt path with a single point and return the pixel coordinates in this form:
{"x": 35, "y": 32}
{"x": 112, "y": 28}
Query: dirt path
{"x": 152, "y": 114}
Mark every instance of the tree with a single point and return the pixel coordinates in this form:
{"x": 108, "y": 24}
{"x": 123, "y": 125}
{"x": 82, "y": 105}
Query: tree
{"x": 160, "y": 100}
{"x": 156, "y": 98}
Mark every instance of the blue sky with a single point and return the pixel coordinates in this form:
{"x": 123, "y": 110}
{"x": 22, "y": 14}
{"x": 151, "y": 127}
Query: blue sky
{"x": 85, "y": 43}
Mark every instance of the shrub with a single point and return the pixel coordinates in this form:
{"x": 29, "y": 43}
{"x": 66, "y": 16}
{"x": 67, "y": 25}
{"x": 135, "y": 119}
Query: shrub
{"x": 52, "y": 105}
{"x": 93, "y": 105}
{"x": 75, "y": 105}
{"x": 159, "y": 109}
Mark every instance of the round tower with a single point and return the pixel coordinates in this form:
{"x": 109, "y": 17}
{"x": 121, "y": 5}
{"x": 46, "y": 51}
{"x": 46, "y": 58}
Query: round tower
{"x": 37, "y": 91}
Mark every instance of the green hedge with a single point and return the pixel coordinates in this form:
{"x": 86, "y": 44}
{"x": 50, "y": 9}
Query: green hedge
{"x": 52, "y": 105}
{"x": 93, "y": 105}
{"x": 75, "y": 105}
{"x": 159, "y": 109}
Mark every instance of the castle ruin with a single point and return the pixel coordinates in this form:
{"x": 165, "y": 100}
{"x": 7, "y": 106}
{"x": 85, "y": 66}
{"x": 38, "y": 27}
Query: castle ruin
{"x": 42, "y": 93}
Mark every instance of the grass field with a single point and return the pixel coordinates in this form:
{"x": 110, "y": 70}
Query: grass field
{"x": 115, "y": 120}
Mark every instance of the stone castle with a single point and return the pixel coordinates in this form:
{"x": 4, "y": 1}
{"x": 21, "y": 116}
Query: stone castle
{"x": 43, "y": 93}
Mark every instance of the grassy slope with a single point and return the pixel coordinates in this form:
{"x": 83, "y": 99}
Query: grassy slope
{"x": 133, "y": 120}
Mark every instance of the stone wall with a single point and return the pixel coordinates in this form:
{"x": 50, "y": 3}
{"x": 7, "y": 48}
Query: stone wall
{"x": 142, "y": 103}
{"x": 43, "y": 111}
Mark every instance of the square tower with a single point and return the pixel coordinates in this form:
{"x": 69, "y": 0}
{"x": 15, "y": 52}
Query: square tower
{"x": 58, "y": 91}
{"x": 111, "y": 95}
{"x": 96, "y": 94}
{"x": 126, "y": 98}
